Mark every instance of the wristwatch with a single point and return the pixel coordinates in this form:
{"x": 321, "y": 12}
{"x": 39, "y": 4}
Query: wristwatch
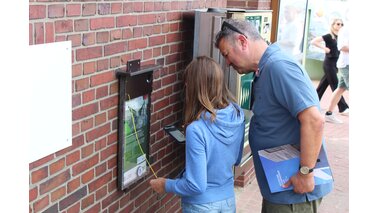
{"x": 304, "y": 170}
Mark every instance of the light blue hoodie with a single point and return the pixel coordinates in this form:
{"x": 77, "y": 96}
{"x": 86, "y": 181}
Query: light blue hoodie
{"x": 212, "y": 149}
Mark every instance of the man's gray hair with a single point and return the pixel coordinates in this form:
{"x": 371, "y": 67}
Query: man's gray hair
{"x": 246, "y": 27}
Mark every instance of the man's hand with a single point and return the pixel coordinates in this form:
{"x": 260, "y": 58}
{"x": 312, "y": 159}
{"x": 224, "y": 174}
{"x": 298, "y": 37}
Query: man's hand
{"x": 158, "y": 185}
{"x": 301, "y": 183}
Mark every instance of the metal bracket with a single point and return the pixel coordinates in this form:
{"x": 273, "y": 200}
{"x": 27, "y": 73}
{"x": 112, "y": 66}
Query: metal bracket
{"x": 133, "y": 65}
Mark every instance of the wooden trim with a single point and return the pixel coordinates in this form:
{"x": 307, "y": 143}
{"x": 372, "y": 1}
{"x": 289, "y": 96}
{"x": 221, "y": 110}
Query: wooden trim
{"x": 275, "y": 11}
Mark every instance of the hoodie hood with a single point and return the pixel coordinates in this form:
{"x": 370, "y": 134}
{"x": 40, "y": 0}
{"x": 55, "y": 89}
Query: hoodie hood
{"x": 225, "y": 126}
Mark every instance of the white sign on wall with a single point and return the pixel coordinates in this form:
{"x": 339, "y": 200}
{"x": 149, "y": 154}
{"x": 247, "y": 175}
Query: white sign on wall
{"x": 49, "y": 103}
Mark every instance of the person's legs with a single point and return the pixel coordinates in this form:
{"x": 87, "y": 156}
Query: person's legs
{"x": 322, "y": 86}
{"x": 306, "y": 207}
{"x": 337, "y": 94}
{"x": 331, "y": 73}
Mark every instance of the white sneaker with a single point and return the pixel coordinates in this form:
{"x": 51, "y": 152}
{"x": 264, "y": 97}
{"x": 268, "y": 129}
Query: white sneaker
{"x": 345, "y": 112}
{"x": 333, "y": 119}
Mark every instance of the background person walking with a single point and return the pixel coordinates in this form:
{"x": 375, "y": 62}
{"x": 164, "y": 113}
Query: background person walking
{"x": 328, "y": 43}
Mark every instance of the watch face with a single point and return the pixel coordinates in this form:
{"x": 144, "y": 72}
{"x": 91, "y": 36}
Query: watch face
{"x": 304, "y": 170}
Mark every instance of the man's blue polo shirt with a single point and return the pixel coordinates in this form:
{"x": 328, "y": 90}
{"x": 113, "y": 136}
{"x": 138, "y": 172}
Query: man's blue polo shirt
{"x": 282, "y": 90}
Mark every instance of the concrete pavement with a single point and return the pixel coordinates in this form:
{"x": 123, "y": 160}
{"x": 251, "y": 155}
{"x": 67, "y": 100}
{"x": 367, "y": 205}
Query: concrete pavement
{"x": 248, "y": 199}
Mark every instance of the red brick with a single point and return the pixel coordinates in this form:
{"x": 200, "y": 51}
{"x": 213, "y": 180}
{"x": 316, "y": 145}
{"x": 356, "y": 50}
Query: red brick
{"x": 103, "y": 8}
{"x": 88, "y": 96}
{"x": 102, "y": 192}
{"x": 88, "y": 53}
{"x": 127, "y": 34}
{"x": 39, "y": 32}
{"x": 89, "y": 67}
{"x": 73, "y": 10}
{"x": 84, "y": 111}
{"x": 57, "y": 166}
{"x": 173, "y": 16}
{"x": 76, "y": 128}
{"x": 73, "y": 185}
{"x": 147, "y": 54}
{"x": 31, "y": 34}
{"x": 109, "y": 151}
{"x": 156, "y": 52}
{"x": 58, "y": 194}
{"x": 73, "y": 198}
{"x": 156, "y": 40}
{"x": 55, "y": 10}
{"x": 102, "y": 78}
{"x": 84, "y": 165}
{"x": 101, "y": 23}
{"x": 101, "y": 92}
{"x": 147, "y": 19}
{"x": 99, "y": 182}
{"x": 89, "y": 9}
{"x": 63, "y": 26}
{"x": 87, "y": 201}
{"x": 116, "y": 8}
{"x": 72, "y": 158}
{"x": 100, "y": 119}
{"x": 109, "y": 102}
{"x": 87, "y": 150}
{"x": 86, "y": 124}
{"x": 115, "y": 48}
{"x": 173, "y": 37}
{"x": 102, "y": 64}
{"x": 111, "y": 198}
{"x": 95, "y": 208}
{"x": 50, "y": 34}
{"x": 149, "y": 7}
{"x": 127, "y": 20}
{"x": 137, "y": 44}
{"x": 112, "y": 113}
{"x": 41, "y": 204}
{"x": 158, "y": 6}
{"x": 54, "y": 182}
{"x": 39, "y": 174}
{"x": 89, "y": 39}
{"x": 114, "y": 207}
{"x": 75, "y": 39}
{"x": 87, "y": 177}
{"x": 115, "y": 61}
{"x": 102, "y": 37}
{"x": 81, "y": 84}
{"x": 137, "y": 32}
{"x": 74, "y": 208}
{"x": 138, "y": 7}
{"x": 115, "y": 34}
{"x": 98, "y": 132}
{"x": 81, "y": 25}
{"x": 33, "y": 194}
{"x": 37, "y": 12}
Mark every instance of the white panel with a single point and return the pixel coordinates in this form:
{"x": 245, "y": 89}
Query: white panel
{"x": 50, "y": 106}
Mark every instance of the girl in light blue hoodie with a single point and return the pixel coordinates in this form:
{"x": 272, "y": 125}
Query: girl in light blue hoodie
{"x": 214, "y": 141}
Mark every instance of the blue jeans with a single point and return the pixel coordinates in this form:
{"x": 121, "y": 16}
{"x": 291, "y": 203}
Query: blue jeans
{"x": 223, "y": 206}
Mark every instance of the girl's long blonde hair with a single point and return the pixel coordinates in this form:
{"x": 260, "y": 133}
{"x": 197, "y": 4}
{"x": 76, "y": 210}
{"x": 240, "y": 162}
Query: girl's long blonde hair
{"x": 205, "y": 89}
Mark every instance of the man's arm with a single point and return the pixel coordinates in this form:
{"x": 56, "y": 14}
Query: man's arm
{"x": 312, "y": 125}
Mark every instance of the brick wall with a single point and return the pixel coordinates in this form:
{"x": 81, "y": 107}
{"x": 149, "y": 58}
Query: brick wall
{"x": 250, "y": 4}
{"x": 105, "y": 34}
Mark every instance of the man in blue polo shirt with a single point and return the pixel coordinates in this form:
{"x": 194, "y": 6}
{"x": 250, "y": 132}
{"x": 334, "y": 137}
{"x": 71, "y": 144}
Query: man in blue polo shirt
{"x": 285, "y": 110}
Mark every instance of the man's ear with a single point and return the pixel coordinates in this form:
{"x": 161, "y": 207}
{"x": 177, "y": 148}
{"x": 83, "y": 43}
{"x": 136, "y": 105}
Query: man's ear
{"x": 243, "y": 41}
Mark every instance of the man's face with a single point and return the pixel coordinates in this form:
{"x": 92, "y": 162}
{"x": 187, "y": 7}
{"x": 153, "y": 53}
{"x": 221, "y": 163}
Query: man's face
{"x": 231, "y": 53}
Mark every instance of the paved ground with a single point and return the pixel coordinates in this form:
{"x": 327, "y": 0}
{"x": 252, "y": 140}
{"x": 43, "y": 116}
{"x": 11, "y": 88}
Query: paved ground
{"x": 248, "y": 199}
